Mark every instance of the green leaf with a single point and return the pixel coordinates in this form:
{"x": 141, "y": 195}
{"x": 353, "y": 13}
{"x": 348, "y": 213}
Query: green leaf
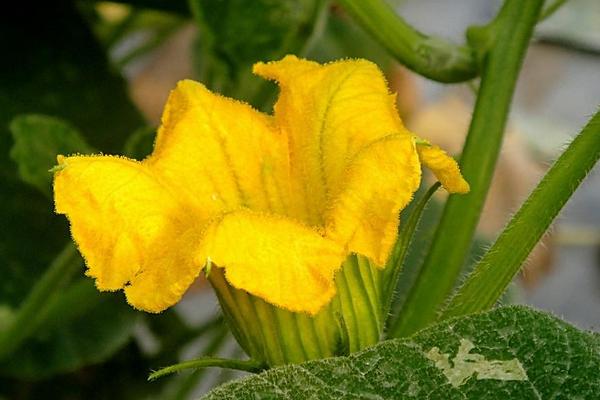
{"x": 237, "y": 33}
{"x": 38, "y": 140}
{"x": 140, "y": 143}
{"x": 83, "y": 327}
{"x": 508, "y": 353}
{"x": 280, "y": 24}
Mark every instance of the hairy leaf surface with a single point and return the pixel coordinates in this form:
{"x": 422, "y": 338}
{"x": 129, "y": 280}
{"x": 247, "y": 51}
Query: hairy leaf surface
{"x": 510, "y": 352}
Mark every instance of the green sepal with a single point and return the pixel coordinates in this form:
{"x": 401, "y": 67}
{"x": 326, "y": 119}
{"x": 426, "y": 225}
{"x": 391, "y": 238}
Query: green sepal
{"x": 400, "y": 250}
{"x": 352, "y": 320}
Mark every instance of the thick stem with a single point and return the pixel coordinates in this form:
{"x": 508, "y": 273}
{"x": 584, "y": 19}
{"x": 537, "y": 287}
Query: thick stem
{"x": 453, "y": 237}
{"x": 495, "y": 271}
{"x": 431, "y": 57}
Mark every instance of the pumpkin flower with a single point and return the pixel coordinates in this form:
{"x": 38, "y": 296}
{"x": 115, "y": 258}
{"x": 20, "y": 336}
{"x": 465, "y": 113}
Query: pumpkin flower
{"x": 292, "y": 215}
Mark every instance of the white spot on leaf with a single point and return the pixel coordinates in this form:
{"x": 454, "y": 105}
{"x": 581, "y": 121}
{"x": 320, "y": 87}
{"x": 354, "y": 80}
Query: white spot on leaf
{"x": 465, "y": 364}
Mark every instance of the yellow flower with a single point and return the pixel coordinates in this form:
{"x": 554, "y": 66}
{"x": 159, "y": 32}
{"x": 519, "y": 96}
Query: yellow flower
{"x": 277, "y": 202}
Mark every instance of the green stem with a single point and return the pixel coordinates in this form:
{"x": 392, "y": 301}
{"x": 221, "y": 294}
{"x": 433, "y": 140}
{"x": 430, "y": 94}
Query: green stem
{"x": 454, "y": 234}
{"x": 431, "y": 57}
{"x": 495, "y": 271}
{"x": 32, "y": 311}
{"x": 227, "y": 374}
{"x": 551, "y": 9}
{"x": 240, "y": 365}
{"x": 186, "y": 385}
{"x": 394, "y": 266}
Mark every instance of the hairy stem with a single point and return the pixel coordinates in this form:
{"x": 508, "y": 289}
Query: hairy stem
{"x": 240, "y": 365}
{"x": 453, "y": 238}
{"x": 494, "y": 272}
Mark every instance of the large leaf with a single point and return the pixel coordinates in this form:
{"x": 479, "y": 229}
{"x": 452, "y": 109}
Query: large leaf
{"x": 508, "y": 353}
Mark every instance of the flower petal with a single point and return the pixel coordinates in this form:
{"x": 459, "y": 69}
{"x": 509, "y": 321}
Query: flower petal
{"x": 222, "y": 152}
{"x": 379, "y": 183}
{"x": 132, "y": 231}
{"x": 277, "y": 259}
{"x": 329, "y": 113}
{"x": 444, "y": 167}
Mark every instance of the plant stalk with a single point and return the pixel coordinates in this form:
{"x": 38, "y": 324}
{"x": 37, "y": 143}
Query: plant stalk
{"x": 33, "y": 309}
{"x": 453, "y": 237}
{"x": 551, "y": 9}
{"x": 240, "y": 365}
{"x": 504, "y": 259}
{"x": 431, "y": 57}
